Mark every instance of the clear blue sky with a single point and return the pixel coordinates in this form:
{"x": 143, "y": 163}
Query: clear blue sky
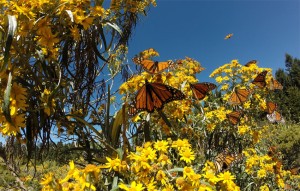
{"x": 263, "y": 30}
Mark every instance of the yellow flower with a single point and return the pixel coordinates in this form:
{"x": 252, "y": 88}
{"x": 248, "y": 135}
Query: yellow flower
{"x": 264, "y": 188}
{"x": 187, "y": 155}
{"x": 161, "y": 177}
{"x": 113, "y": 164}
{"x": 219, "y": 79}
{"x": 133, "y": 186}
{"x": 181, "y": 144}
{"x": 180, "y": 182}
{"x": 247, "y": 104}
{"x": 226, "y": 177}
{"x": 210, "y": 176}
{"x": 242, "y": 129}
{"x": 148, "y": 153}
{"x": 280, "y": 182}
{"x": 48, "y": 178}
{"x": 261, "y": 173}
{"x": 187, "y": 171}
{"x": 14, "y": 128}
{"x": 164, "y": 159}
{"x": 204, "y": 187}
{"x": 161, "y": 145}
{"x": 210, "y": 127}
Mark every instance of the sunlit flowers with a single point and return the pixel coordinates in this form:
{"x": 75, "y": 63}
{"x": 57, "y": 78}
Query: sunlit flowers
{"x": 132, "y": 187}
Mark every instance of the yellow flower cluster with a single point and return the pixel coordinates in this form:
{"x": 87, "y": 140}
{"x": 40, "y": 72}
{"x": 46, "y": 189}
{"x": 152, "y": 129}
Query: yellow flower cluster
{"x": 18, "y": 98}
{"x": 76, "y": 179}
{"x": 268, "y": 170}
{"x": 131, "y": 5}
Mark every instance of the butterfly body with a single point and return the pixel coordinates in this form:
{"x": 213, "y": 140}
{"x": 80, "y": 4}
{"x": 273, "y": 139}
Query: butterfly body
{"x": 200, "y": 90}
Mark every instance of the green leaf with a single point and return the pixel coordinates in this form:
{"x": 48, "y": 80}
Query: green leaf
{"x": 116, "y": 126}
{"x": 114, "y": 26}
{"x": 6, "y": 101}
{"x": 115, "y": 183}
{"x": 12, "y": 26}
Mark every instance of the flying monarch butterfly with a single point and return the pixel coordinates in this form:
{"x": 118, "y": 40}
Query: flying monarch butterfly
{"x": 228, "y": 36}
{"x": 153, "y": 67}
{"x": 200, "y": 90}
{"x": 239, "y": 96}
{"x": 225, "y": 160}
{"x": 234, "y": 117}
{"x": 153, "y": 96}
{"x": 275, "y": 85}
{"x": 250, "y": 63}
{"x": 275, "y": 117}
{"x": 271, "y": 107}
{"x": 260, "y": 79}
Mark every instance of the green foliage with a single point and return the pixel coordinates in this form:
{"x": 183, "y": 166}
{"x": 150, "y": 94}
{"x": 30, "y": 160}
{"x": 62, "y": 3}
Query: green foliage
{"x": 288, "y": 98}
{"x": 286, "y": 139}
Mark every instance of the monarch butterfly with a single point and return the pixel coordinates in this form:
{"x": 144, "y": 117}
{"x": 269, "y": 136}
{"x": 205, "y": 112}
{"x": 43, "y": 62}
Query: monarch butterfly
{"x": 260, "y": 79}
{"x": 250, "y": 63}
{"x": 239, "y": 96}
{"x": 234, "y": 117}
{"x": 271, "y": 107}
{"x": 153, "y": 96}
{"x": 225, "y": 160}
{"x": 295, "y": 171}
{"x": 275, "y": 85}
{"x": 200, "y": 90}
{"x": 153, "y": 67}
{"x": 275, "y": 117}
{"x": 228, "y": 36}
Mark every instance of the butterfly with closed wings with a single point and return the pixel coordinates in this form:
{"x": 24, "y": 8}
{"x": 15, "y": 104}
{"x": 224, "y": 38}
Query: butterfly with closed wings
{"x": 275, "y": 85}
{"x": 200, "y": 90}
{"x": 234, "y": 117}
{"x": 153, "y": 96}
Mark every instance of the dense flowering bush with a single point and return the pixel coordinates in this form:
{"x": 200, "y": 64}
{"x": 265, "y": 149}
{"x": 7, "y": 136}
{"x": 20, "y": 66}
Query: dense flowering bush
{"x": 199, "y": 131}
{"x": 52, "y": 49}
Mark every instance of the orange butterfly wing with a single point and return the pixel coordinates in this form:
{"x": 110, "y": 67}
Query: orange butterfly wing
{"x": 225, "y": 160}
{"x": 239, "y": 96}
{"x": 260, "y": 79}
{"x": 271, "y": 107}
{"x": 250, "y": 63}
{"x": 153, "y": 96}
{"x": 234, "y": 117}
{"x": 200, "y": 90}
{"x": 275, "y": 117}
{"x": 275, "y": 85}
{"x": 153, "y": 67}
